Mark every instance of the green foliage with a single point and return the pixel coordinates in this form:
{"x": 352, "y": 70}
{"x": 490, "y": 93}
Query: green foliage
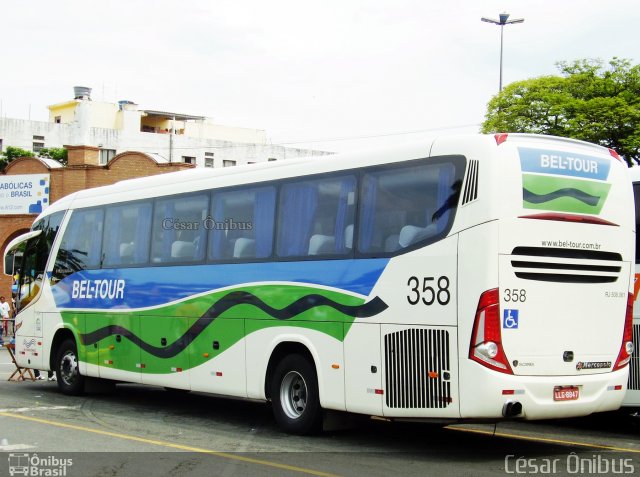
{"x": 57, "y": 153}
{"x": 11, "y": 153}
{"x": 590, "y": 101}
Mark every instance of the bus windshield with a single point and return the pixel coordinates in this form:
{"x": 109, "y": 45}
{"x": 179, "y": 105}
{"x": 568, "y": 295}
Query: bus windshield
{"x": 34, "y": 259}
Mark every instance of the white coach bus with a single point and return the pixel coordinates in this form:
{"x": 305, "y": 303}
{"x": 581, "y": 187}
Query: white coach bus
{"x": 475, "y": 277}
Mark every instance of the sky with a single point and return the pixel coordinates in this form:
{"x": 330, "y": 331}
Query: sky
{"x": 334, "y": 75}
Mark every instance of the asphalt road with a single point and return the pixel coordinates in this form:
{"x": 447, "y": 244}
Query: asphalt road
{"x": 140, "y": 430}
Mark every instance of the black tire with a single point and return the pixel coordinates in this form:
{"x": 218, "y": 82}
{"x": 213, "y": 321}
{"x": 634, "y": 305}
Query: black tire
{"x": 294, "y": 396}
{"x": 68, "y": 376}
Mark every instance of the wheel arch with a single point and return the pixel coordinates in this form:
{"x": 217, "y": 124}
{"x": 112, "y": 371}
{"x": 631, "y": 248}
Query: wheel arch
{"x": 281, "y": 350}
{"x": 59, "y": 337}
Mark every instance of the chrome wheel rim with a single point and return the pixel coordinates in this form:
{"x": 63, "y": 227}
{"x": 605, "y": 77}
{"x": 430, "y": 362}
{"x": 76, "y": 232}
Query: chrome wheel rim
{"x": 293, "y": 394}
{"x": 69, "y": 368}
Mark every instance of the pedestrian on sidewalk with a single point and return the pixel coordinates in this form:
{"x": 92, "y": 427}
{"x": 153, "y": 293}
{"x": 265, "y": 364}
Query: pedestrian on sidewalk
{"x": 5, "y": 314}
{"x": 50, "y": 375}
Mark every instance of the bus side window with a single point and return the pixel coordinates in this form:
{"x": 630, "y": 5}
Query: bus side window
{"x": 179, "y": 232}
{"x": 405, "y": 206}
{"x": 128, "y": 227}
{"x": 81, "y": 243}
{"x": 316, "y": 217}
{"x": 241, "y": 225}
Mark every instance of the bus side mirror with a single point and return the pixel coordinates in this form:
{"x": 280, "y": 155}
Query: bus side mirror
{"x": 9, "y": 263}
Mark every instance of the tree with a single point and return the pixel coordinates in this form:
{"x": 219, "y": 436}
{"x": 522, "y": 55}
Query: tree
{"x": 11, "y": 153}
{"x": 57, "y": 153}
{"x": 590, "y": 101}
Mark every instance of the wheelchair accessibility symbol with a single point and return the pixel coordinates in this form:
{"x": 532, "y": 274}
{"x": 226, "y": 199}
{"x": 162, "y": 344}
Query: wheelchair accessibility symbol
{"x": 510, "y": 319}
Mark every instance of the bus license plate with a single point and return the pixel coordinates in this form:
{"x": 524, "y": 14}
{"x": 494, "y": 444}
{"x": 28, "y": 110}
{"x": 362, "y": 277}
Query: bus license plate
{"x": 566, "y": 393}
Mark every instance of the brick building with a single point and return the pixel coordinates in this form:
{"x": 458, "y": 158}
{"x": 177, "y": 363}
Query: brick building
{"x": 82, "y": 172}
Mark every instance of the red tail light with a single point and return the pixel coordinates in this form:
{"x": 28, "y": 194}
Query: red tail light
{"x": 500, "y": 138}
{"x": 615, "y": 154}
{"x": 486, "y": 339}
{"x": 626, "y": 349}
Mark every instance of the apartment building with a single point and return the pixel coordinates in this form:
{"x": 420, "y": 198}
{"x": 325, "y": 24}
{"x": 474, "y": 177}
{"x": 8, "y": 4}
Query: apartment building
{"x": 115, "y": 128}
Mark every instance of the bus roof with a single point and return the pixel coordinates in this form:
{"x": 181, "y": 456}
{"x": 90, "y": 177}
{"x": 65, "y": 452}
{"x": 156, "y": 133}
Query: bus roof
{"x": 196, "y": 179}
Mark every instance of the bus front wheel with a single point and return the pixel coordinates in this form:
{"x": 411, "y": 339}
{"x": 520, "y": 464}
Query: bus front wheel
{"x": 68, "y": 376}
{"x": 294, "y": 395}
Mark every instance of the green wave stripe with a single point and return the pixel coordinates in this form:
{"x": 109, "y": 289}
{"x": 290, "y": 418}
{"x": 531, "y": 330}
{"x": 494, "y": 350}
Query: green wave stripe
{"x": 171, "y": 323}
{"x": 544, "y": 185}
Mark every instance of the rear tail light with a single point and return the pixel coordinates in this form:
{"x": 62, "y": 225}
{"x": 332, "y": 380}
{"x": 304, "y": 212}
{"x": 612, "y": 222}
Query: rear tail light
{"x": 500, "y": 138}
{"x": 486, "y": 339}
{"x": 626, "y": 349}
{"x": 615, "y": 154}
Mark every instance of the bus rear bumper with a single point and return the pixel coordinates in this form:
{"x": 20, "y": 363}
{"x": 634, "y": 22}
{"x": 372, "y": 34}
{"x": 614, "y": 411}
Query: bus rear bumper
{"x": 534, "y": 397}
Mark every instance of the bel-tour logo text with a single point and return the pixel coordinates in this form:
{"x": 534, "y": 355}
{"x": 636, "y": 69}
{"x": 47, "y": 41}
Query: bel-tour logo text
{"x": 98, "y": 289}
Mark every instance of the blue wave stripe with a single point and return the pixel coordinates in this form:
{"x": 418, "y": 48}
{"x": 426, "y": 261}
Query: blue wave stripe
{"x": 577, "y": 194}
{"x": 155, "y": 286}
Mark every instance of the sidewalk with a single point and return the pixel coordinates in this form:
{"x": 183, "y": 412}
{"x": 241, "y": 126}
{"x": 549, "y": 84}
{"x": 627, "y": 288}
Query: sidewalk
{"x": 6, "y": 366}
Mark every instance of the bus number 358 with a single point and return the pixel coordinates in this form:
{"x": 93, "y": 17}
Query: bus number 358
{"x": 426, "y": 292}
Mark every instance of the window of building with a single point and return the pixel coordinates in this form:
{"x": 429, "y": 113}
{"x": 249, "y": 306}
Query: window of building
{"x": 188, "y": 159}
{"x": 179, "y": 232}
{"x": 243, "y": 222}
{"x": 37, "y": 146}
{"x": 406, "y": 206}
{"x": 208, "y": 159}
{"x": 57, "y": 119}
{"x": 38, "y": 138}
{"x": 228, "y": 163}
{"x": 106, "y": 155}
{"x": 129, "y": 228}
{"x": 316, "y": 217}
{"x": 272, "y": 159}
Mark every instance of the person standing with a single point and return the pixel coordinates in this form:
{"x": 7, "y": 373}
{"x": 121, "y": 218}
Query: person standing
{"x": 50, "y": 375}
{"x": 5, "y": 314}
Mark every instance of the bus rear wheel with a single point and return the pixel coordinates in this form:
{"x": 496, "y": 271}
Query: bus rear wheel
{"x": 294, "y": 395}
{"x": 68, "y": 376}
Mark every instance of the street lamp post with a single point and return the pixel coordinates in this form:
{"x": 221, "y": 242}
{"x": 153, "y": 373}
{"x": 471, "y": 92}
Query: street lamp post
{"x": 504, "y": 20}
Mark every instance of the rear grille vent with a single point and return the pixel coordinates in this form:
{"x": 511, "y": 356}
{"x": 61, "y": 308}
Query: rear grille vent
{"x": 566, "y": 265}
{"x": 417, "y": 369}
{"x": 471, "y": 182}
{"x": 634, "y": 364}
